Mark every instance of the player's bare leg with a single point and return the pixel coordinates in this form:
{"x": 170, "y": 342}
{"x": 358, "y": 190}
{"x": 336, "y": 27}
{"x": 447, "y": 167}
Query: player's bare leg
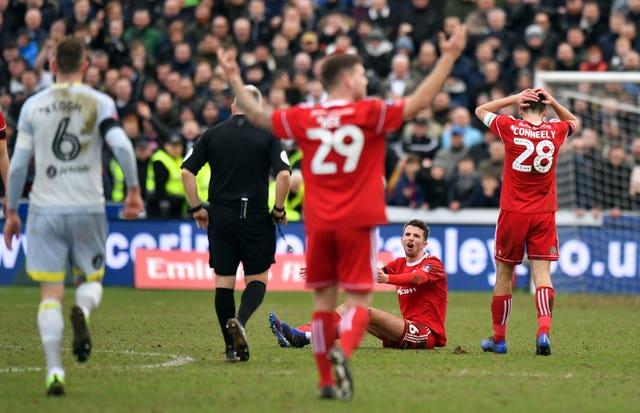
{"x": 385, "y": 326}
{"x": 500, "y": 309}
{"x": 544, "y": 296}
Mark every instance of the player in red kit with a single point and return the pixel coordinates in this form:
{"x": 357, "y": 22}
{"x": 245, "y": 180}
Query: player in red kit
{"x": 4, "y": 159}
{"x": 343, "y": 141}
{"x": 421, "y": 285}
{"x": 527, "y": 204}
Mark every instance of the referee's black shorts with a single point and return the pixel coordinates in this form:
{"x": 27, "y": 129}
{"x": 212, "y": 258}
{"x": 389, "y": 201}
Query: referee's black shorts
{"x": 232, "y": 239}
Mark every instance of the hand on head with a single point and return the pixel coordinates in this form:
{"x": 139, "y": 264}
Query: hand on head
{"x": 527, "y": 95}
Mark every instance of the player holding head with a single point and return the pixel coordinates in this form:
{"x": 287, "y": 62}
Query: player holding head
{"x": 343, "y": 141}
{"x": 527, "y": 204}
{"x": 421, "y": 284}
{"x": 62, "y": 127}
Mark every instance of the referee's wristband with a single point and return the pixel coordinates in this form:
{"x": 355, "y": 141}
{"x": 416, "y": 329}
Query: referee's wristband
{"x": 275, "y": 208}
{"x": 195, "y": 209}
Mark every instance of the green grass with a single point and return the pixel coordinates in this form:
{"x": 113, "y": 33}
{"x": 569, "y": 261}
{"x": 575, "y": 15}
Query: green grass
{"x": 595, "y": 366}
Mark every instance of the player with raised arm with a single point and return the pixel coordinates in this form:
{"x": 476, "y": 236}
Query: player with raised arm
{"x": 63, "y": 127}
{"x": 343, "y": 141}
{"x": 421, "y": 285}
{"x": 528, "y": 203}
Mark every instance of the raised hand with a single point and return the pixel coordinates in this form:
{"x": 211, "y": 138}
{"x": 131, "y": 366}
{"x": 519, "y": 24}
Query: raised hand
{"x": 456, "y": 43}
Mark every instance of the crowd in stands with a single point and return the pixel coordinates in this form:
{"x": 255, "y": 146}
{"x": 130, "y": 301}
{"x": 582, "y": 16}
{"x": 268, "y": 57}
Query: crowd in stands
{"x": 157, "y": 59}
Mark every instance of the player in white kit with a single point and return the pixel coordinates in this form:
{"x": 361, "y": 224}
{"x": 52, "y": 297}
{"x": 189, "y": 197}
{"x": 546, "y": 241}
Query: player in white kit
{"x": 62, "y": 128}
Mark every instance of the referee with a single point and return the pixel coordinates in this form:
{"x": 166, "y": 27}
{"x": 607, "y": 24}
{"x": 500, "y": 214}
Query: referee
{"x": 242, "y": 228}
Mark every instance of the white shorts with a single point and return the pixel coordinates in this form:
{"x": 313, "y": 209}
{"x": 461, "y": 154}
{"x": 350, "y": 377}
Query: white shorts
{"x": 55, "y": 241}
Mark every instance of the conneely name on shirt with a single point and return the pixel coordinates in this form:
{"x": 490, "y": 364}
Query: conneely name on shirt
{"x": 61, "y": 106}
{"x": 533, "y": 134}
{"x": 403, "y": 291}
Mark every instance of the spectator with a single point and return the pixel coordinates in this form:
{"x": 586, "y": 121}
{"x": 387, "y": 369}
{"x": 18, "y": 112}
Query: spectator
{"x": 221, "y": 30}
{"x": 399, "y": 82}
{"x": 182, "y": 61}
{"x": 377, "y": 54}
{"x": 611, "y": 183}
{"x": 423, "y": 19}
{"x": 576, "y": 38}
{"x": 142, "y": 30}
{"x": 565, "y": 58}
{"x": 592, "y": 23}
{"x": 593, "y": 61}
{"x": 201, "y": 24}
{"x": 488, "y": 195}
{"x": 166, "y": 196}
{"x": 480, "y": 151}
{"x": 125, "y": 103}
{"x": 461, "y": 121}
{"x": 242, "y": 38}
{"x": 114, "y": 43}
{"x": 383, "y": 18}
{"x": 608, "y": 38}
{"x": 426, "y": 59}
{"x": 81, "y": 15}
{"x": 494, "y": 164}
{"x": 464, "y": 184}
{"x": 405, "y": 190}
{"x": 260, "y": 26}
{"x": 419, "y": 141}
{"x": 308, "y": 15}
{"x": 448, "y": 156}
{"x": 436, "y": 187}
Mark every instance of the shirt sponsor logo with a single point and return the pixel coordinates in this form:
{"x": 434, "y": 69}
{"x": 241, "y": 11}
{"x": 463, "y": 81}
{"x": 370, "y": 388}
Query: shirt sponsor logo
{"x": 403, "y": 291}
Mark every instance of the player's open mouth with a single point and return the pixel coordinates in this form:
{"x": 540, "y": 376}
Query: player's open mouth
{"x": 409, "y": 244}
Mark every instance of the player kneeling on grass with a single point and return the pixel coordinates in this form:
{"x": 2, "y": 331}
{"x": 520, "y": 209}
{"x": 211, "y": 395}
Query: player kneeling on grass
{"x": 528, "y": 203}
{"x": 421, "y": 285}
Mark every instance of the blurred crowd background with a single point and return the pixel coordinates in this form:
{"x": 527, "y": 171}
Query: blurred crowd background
{"x": 157, "y": 59}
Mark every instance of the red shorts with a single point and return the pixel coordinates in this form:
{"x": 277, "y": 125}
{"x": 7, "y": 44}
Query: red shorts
{"x": 346, "y": 258}
{"x": 416, "y": 335}
{"x": 535, "y": 231}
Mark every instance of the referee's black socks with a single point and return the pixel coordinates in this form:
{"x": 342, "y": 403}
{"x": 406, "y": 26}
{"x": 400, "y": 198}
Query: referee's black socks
{"x": 225, "y": 309}
{"x": 251, "y": 299}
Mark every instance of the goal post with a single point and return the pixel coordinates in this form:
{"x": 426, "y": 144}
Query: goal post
{"x": 598, "y": 174}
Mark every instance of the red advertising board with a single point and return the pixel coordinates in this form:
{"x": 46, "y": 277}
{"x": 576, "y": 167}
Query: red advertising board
{"x": 189, "y": 270}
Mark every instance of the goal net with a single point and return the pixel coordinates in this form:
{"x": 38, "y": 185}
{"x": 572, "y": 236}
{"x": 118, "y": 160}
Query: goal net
{"x": 598, "y": 182}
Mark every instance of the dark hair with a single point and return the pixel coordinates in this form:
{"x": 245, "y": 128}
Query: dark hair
{"x": 69, "y": 55}
{"x": 537, "y": 106}
{"x": 418, "y": 223}
{"x": 334, "y": 67}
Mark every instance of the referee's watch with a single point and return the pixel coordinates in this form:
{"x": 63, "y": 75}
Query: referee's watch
{"x": 195, "y": 209}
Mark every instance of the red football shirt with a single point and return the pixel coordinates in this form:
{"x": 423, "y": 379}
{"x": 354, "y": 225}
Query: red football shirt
{"x": 3, "y": 126}
{"x": 423, "y": 294}
{"x": 531, "y": 152}
{"x": 343, "y": 145}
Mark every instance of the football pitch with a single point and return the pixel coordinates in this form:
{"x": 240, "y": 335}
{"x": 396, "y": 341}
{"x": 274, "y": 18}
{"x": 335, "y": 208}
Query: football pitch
{"x": 161, "y": 351}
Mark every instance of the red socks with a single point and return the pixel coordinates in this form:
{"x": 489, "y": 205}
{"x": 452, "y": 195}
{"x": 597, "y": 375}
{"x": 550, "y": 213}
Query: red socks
{"x": 544, "y": 305}
{"x": 500, "y": 311}
{"x": 353, "y": 327}
{"x": 323, "y": 331}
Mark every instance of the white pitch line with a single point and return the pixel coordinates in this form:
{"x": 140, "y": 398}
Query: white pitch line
{"x": 176, "y": 360}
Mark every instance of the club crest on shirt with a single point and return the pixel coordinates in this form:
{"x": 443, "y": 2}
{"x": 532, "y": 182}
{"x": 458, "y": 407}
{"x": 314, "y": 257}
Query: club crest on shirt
{"x": 426, "y": 268}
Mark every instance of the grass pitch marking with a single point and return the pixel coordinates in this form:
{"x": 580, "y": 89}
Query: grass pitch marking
{"x": 175, "y": 360}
